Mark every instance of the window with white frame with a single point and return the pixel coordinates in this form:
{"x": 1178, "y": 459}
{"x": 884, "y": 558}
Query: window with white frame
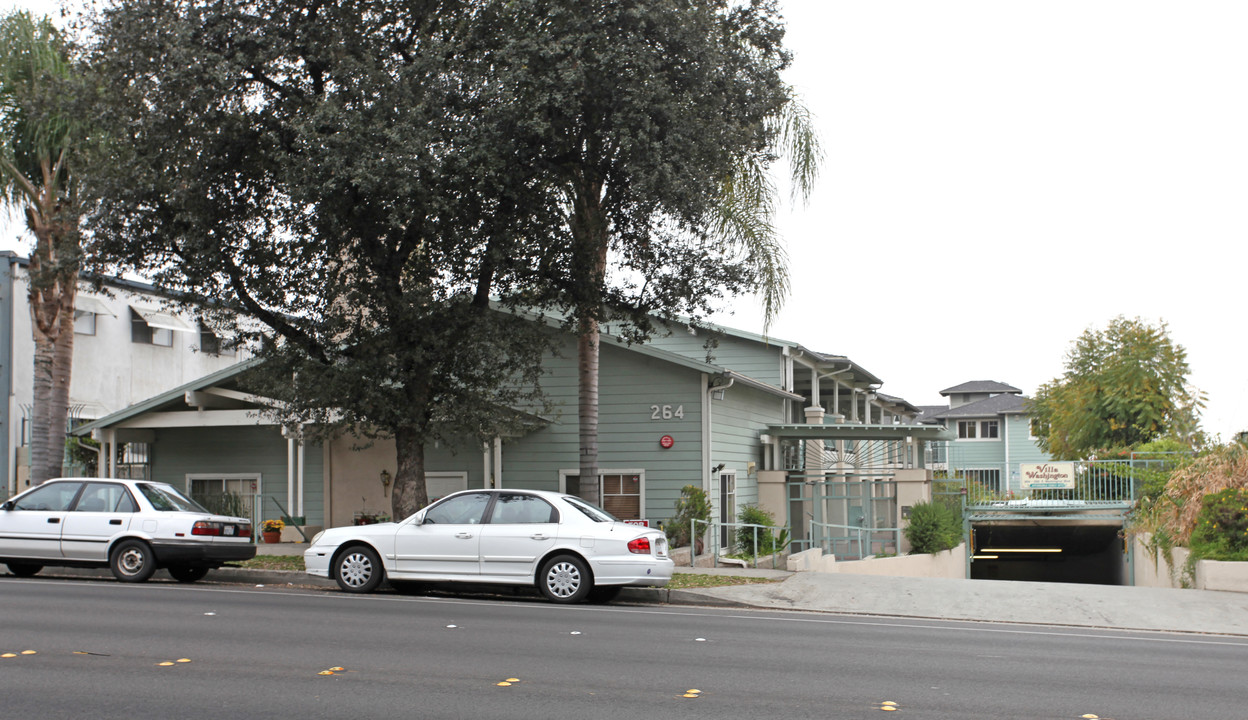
{"x": 979, "y": 429}
{"x": 620, "y": 492}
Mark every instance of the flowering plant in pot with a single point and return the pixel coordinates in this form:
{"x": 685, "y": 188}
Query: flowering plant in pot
{"x": 272, "y": 530}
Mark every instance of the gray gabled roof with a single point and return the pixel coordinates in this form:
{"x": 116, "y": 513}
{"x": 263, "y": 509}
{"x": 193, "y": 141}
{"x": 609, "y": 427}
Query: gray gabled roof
{"x": 981, "y": 386}
{"x": 996, "y": 405}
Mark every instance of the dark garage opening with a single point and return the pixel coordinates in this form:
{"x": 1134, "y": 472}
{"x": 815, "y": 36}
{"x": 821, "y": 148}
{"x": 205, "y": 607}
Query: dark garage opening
{"x": 1049, "y": 553}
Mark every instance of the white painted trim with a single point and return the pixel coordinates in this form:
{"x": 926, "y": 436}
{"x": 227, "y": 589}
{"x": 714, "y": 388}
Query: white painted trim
{"x": 706, "y": 433}
{"x": 204, "y": 418}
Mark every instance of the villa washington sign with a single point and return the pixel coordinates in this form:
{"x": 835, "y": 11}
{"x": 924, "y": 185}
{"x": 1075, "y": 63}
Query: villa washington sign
{"x": 1048, "y": 476}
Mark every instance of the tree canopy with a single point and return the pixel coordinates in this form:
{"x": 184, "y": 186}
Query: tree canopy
{"x": 1123, "y": 386}
{"x": 654, "y": 123}
{"x": 320, "y": 167}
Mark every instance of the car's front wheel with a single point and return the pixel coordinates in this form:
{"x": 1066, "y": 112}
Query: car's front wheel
{"x": 358, "y": 569}
{"x": 132, "y": 561}
{"x": 24, "y": 569}
{"x": 188, "y": 574}
{"x": 565, "y": 579}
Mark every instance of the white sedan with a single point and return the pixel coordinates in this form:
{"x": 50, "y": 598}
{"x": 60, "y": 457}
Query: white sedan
{"x": 132, "y": 527}
{"x": 571, "y": 550}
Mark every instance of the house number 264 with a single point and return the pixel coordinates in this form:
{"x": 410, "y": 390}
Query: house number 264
{"x": 667, "y": 412}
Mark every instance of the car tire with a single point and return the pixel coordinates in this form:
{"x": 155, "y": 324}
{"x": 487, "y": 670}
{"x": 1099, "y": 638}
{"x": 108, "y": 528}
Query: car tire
{"x": 24, "y": 569}
{"x": 565, "y": 579}
{"x": 357, "y": 569}
{"x": 185, "y": 574}
{"x": 132, "y": 561}
{"x": 604, "y": 594}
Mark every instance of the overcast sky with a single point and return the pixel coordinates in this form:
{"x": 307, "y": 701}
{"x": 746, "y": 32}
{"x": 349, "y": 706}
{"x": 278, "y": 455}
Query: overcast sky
{"x": 1001, "y": 176}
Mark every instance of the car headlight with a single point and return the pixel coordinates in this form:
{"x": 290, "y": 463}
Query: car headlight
{"x": 317, "y": 537}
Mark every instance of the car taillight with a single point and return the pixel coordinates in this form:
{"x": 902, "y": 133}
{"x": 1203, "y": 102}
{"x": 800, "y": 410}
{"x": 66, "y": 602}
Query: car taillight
{"x": 641, "y": 546}
{"x": 206, "y": 528}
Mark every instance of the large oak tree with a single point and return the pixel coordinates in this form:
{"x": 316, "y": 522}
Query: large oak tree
{"x": 325, "y": 168}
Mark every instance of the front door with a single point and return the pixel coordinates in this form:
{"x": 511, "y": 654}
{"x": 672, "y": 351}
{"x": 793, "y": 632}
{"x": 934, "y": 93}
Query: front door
{"x": 521, "y": 529}
{"x": 447, "y": 544}
{"x": 32, "y": 529}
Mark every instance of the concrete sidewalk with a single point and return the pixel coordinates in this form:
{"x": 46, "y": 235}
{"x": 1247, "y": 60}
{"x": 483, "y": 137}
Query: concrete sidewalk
{"x": 1068, "y": 604}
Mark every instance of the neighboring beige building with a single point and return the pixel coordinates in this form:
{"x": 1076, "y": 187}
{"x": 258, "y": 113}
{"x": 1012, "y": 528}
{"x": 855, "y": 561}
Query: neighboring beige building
{"x": 127, "y": 348}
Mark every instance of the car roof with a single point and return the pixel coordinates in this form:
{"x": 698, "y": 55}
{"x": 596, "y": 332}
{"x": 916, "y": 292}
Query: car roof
{"x": 549, "y": 494}
{"x": 124, "y": 481}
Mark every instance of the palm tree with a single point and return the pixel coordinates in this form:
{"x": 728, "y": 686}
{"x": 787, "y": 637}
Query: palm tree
{"x": 37, "y": 137}
{"x": 744, "y": 218}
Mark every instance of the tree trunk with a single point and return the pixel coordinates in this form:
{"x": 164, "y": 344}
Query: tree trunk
{"x": 62, "y": 371}
{"x": 587, "y": 407}
{"x": 589, "y": 231}
{"x": 409, "y": 492}
{"x": 40, "y": 421}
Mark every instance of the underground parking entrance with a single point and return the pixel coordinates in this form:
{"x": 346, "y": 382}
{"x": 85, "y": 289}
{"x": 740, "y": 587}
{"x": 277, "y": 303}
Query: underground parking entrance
{"x": 1049, "y": 550}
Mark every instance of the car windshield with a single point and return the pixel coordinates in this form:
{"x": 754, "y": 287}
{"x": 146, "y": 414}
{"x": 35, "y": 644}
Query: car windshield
{"x": 166, "y": 499}
{"x": 593, "y": 512}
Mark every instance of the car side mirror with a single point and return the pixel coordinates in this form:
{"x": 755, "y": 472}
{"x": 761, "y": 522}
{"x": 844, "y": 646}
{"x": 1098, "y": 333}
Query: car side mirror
{"x": 8, "y": 505}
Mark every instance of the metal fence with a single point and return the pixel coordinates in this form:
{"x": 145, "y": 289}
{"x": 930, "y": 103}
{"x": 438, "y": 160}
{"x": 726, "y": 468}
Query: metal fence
{"x": 1118, "y": 481}
{"x": 764, "y": 541}
{"x": 851, "y": 519}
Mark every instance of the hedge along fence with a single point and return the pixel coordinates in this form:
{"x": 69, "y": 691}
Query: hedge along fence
{"x": 1171, "y": 518}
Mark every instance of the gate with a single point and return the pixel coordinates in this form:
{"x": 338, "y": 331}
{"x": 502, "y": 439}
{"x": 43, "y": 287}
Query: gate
{"x": 845, "y": 517}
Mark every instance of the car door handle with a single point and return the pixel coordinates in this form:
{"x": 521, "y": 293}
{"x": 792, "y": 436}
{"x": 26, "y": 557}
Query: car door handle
{"x": 463, "y": 535}
{"x": 54, "y": 520}
{"x": 540, "y": 536}
{"x": 114, "y": 522}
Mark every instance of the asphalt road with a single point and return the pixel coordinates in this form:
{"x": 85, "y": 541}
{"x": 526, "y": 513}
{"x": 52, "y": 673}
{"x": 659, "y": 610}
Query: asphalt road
{"x": 100, "y": 649}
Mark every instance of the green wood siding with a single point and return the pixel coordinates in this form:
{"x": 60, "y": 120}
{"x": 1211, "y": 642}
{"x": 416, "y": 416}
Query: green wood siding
{"x": 261, "y": 450}
{"x": 758, "y": 360}
{"x": 628, "y": 439}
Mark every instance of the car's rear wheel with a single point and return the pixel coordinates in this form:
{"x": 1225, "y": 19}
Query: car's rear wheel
{"x": 24, "y": 569}
{"x": 565, "y": 579}
{"x": 132, "y": 561}
{"x": 188, "y": 574}
{"x": 358, "y": 569}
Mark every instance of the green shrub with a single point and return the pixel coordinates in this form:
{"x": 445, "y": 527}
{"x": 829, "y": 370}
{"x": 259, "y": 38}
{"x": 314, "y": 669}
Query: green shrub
{"x": 693, "y": 504}
{"x": 769, "y": 541}
{"x": 933, "y": 527}
{"x": 1221, "y": 531}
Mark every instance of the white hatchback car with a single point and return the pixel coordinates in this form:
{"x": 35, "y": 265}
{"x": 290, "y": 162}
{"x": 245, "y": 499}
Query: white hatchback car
{"x": 571, "y": 550}
{"x": 133, "y": 527}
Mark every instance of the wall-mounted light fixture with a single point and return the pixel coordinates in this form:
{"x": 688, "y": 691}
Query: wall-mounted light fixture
{"x": 385, "y": 479}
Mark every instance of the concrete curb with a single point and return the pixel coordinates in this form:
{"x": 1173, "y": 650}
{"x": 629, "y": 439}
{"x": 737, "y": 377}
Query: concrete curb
{"x": 232, "y": 576}
{"x": 283, "y": 578}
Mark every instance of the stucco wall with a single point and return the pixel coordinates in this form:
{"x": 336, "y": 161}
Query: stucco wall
{"x": 1158, "y": 571}
{"x": 947, "y": 564}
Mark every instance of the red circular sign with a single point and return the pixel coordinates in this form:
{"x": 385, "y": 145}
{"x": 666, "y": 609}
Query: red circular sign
{"x": 666, "y": 441}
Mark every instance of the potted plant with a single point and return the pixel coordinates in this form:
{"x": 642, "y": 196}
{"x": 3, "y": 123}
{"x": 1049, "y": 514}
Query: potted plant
{"x": 272, "y": 530}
